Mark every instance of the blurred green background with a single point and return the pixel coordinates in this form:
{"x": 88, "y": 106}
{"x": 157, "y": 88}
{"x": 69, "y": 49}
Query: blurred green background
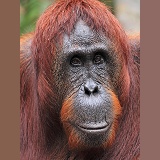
{"x": 30, "y": 10}
{"x": 126, "y": 11}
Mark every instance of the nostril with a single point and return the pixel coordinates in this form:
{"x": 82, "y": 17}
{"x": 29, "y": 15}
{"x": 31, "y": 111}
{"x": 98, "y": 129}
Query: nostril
{"x": 95, "y": 89}
{"x": 87, "y": 91}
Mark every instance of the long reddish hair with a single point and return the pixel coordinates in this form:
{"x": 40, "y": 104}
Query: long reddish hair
{"x": 39, "y": 122}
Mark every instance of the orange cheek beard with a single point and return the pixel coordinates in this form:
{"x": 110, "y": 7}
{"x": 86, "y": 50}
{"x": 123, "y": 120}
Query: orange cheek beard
{"x": 67, "y": 113}
{"x": 117, "y": 111}
{"x": 76, "y": 139}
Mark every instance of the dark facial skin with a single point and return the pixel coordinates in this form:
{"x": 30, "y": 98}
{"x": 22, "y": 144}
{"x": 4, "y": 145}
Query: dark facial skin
{"x": 88, "y": 65}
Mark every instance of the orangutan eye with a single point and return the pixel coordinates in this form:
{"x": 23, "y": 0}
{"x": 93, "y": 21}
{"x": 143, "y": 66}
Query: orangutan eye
{"x": 98, "y": 59}
{"x": 76, "y": 61}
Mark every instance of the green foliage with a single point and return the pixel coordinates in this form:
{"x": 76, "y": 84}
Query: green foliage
{"x": 30, "y": 10}
{"x": 110, "y": 4}
{"x": 29, "y": 13}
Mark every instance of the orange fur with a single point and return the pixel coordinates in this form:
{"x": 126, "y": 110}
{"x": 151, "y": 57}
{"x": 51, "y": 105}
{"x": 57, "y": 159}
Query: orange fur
{"x": 117, "y": 111}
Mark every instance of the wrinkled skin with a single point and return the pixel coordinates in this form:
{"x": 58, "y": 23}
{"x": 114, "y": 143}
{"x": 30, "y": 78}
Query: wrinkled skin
{"x": 89, "y": 70}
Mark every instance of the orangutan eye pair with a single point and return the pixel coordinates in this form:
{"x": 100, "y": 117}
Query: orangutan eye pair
{"x": 76, "y": 61}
